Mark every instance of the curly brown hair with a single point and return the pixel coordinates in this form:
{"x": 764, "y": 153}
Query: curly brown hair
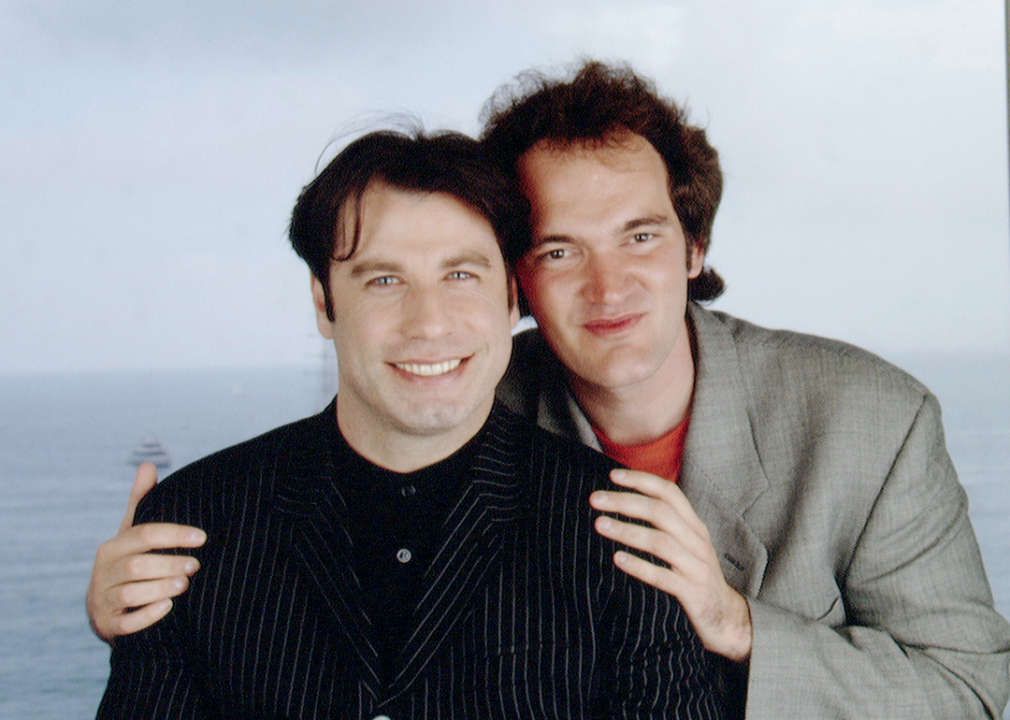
{"x": 598, "y": 104}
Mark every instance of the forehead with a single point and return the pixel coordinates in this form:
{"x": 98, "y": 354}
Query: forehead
{"x": 390, "y": 220}
{"x": 629, "y": 156}
{"x": 590, "y": 189}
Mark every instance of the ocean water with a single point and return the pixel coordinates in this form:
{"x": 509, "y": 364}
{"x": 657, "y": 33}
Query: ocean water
{"x": 64, "y": 478}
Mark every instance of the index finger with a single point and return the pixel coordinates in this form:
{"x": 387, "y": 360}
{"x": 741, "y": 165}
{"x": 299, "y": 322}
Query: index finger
{"x": 659, "y": 489}
{"x": 146, "y": 478}
{"x": 146, "y": 537}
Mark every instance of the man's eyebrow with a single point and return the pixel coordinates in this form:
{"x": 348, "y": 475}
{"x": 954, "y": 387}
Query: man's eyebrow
{"x": 630, "y": 225}
{"x": 647, "y": 220}
{"x": 471, "y": 257}
{"x": 368, "y": 267}
{"x": 537, "y": 241}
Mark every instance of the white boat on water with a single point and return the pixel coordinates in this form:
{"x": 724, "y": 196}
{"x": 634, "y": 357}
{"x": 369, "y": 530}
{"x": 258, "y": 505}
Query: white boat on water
{"x": 150, "y": 450}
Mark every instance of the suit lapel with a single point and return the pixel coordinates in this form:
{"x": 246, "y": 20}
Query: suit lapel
{"x": 722, "y": 474}
{"x": 474, "y": 536}
{"x": 320, "y": 544}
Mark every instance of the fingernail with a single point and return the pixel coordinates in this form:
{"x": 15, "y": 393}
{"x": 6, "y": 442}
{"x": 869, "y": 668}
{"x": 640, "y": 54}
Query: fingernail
{"x": 191, "y": 567}
{"x": 620, "y": 558}
{"x": 180, "y": 583}
{"x": 599, "y": 498}
{"x": 198, "y": 536}
{"x": 618, "y": 474}
{"x": 604, "y": 523}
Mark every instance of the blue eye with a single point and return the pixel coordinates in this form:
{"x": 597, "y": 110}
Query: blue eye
{"x": 383, "y": 280}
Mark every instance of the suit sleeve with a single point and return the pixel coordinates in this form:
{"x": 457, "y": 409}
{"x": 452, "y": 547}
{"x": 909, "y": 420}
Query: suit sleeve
{"x": 151, "y": 672}
{"x": 921, "y": 638}
{"x": 659, "y": 667}
{"x": 150, "y": 679}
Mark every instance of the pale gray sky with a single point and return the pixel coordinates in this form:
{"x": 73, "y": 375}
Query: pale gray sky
{"x": 151, "y": 153}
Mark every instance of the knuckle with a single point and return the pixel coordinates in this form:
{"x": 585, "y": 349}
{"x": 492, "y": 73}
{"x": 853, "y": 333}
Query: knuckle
{"x": 662, "y": 546}
{"x": 120, "y": 597}
{"x": 146, "y": 533}
{"x": 652, "y": 543}
{"x": 647, "y": 570}
{"x": 654, "y": 575}
{"x": 134, "y": 566}
{"x": 102, "y": 553}
{"x": 653, "y": 507}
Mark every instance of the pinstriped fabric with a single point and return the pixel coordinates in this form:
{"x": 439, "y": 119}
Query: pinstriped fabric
{"x": 523, "y": 614}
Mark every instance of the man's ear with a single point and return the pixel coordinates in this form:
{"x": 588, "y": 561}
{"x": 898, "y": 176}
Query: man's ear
{"x": 695, "y": 260}
{"x": 323, "y": 321}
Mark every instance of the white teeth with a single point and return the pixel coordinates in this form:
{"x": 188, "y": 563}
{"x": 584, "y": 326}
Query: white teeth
{"x": 429, "y": 369}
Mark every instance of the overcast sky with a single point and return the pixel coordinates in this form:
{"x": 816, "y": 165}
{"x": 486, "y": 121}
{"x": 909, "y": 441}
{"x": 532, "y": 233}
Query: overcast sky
{"x": 151, "y": 154}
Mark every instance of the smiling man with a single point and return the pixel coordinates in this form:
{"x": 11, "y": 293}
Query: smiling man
{"x": 803, "y": 507}
{"x": 416, "y": 550}
{"x": 804, "y": 510}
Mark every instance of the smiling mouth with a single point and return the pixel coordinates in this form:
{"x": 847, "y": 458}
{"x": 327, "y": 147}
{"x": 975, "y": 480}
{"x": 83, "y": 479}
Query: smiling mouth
{"x": 609, "y": 326}
{"x": 429, "y": 369}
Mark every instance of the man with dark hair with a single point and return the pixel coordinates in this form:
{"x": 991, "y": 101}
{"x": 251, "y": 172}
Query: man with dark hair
{"x": 416, "y": 550}
{"x": 802, "y": 505}
{"x": 814, "y": 531}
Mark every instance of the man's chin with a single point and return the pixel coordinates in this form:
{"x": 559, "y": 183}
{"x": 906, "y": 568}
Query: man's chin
{"x": 610, "y": 374}
{"x": 431, "y": 421}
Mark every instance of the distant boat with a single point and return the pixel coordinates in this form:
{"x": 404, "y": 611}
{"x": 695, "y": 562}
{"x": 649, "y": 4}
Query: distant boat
{"x": 150, "y": 450}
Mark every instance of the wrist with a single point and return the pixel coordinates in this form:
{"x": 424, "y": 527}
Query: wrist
{"x": 739, "y": 638}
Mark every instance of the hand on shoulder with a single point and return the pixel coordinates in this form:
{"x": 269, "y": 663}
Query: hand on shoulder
{"x": 688, "y": 566}
{"x": 132, "y": 587}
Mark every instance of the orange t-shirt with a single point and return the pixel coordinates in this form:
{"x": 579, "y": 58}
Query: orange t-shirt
{"x": 660, "y": 457}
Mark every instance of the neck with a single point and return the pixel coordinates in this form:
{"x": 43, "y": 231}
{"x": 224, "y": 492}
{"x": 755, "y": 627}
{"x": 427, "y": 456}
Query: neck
{"x": 404, "y": 451}
{"x": 645, "y": 411}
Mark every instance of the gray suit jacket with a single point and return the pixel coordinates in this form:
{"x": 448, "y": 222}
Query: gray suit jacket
{"x": 822, "y": 475}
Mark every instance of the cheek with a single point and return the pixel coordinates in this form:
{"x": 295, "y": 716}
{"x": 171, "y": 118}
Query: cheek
{"x": 357, "y": 329}
{"x": 541, "y": 290}
{"x": 526, "y": 278}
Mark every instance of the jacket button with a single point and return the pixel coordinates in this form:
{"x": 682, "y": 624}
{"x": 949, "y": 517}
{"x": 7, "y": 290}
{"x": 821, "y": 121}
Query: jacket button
{"x": 403, "y": 555}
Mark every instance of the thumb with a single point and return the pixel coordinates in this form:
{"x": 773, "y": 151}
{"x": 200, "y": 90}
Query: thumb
{"x": 147, "y": 478}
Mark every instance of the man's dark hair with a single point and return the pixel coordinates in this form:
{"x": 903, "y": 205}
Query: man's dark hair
{"x": 445, "y": 162}
{"x": 598, "y": 105}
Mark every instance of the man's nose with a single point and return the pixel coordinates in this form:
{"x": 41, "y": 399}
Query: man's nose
{"x": 427, "y": 312}
{"x": 605, "y": 280}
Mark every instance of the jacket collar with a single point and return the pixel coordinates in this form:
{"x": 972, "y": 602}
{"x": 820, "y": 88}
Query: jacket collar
{"x": 474, "y": 535}
{"x": 473, "y": 538}
{"x": 722, "y": 474}
{"x": 320, "y": 544}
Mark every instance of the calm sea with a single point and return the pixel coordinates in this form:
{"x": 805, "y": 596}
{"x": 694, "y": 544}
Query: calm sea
{"x": 64, "y": 477}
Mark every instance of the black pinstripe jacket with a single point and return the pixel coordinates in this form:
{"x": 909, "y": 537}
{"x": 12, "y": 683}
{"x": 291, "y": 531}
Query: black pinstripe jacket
{"x": 523, "y": 614}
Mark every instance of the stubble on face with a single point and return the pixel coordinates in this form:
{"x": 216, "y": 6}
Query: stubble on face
{"x": 606, "y": 276}
{"x": 421, "y": 325}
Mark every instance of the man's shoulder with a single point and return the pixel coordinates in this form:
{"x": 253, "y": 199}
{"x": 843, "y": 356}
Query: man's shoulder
{"x": 549, "y": 451}
{"x": 776, "y": 358}
{"x": 247, "y": 470}
{"x": 265, "y": 448}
